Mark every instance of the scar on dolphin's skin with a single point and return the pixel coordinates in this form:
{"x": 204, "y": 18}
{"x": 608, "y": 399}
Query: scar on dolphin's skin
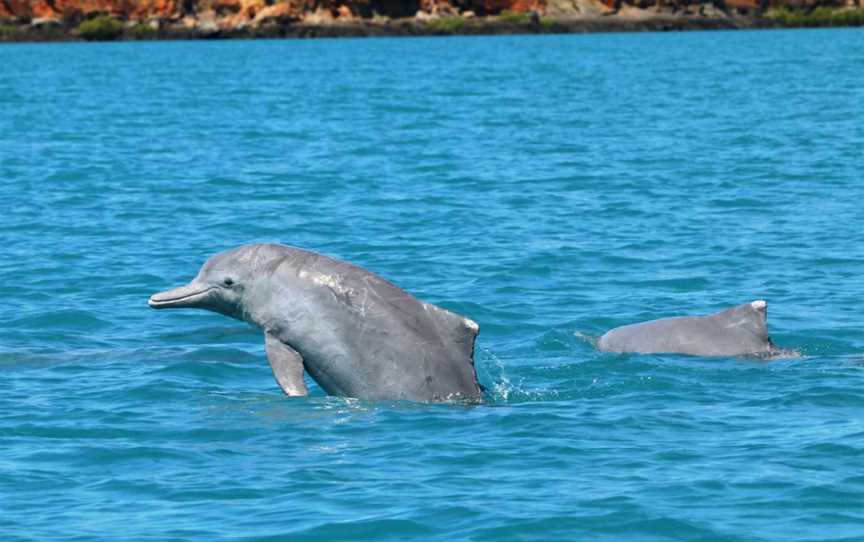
{"x": 738, "y": 331}
{"x": 354, "y": 333}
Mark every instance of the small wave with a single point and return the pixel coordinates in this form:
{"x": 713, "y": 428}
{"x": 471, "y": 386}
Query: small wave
{"x": 501, "y": 388}
{"x": 76, "y": 320}
{"x": 586, "y": 338}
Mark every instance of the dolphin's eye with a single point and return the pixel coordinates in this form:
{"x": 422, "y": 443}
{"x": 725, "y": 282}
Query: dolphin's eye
{"x": 228, "y": 281}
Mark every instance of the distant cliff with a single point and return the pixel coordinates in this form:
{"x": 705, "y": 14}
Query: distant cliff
{"x": 227, "y": 18}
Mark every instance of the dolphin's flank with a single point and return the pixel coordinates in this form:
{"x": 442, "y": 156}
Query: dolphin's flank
{"x": 356, "y": 334}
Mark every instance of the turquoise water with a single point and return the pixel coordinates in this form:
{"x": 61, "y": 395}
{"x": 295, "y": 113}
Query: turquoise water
{"x": 548, "y": 187}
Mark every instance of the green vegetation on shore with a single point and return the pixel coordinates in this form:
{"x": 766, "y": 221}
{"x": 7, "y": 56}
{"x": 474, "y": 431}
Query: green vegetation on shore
{"x": 821, "y": 16}
{"x": 514, "y": 17}
{"x": 9, "y": 30}
{"x": 101, "y": 28}
{"x": 142, "y": 30}
{"x": 453, "y": 24}
{"x": 447, "y": 25}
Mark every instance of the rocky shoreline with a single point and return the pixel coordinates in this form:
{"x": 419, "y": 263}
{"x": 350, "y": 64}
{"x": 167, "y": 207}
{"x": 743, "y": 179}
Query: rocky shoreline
{"x": 128, "y": 20}
{"x": 409, "y": 27}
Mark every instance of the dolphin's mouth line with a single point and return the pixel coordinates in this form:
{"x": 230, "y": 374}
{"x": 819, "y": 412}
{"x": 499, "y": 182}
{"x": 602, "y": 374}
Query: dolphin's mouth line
{"x": 155, "y": 302}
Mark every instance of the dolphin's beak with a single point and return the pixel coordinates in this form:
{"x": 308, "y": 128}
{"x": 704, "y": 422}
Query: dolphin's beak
{"x": 187, "y": 296}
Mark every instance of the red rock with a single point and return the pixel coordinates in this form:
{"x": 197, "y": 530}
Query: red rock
{"x": 226, "y": 6}
{"x": 493, "y": 7}
{"x": 239, "y": 13}
{"x": 436, "y": 6}
{"x": 749, "y": 5}
{"x": 277, "y": 13}
{"x": 40, "y": 9}
{"x": 319, "y": 16}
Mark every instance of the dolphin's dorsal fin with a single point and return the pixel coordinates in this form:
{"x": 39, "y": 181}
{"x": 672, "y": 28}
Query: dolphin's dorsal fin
{"x": 760, "y": 306}
{"x": 750, "y": 317}
{"x": 759, "y": 309}
{"x": 455, "y": 329}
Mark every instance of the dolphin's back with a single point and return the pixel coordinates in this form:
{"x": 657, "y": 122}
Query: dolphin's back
{"x": 737, "y": 331}
{"x": 399, "y": 345}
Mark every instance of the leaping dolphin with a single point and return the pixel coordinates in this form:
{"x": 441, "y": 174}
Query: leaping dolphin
{"x": 356, "y": 334}
{"x": 739, "y": 331}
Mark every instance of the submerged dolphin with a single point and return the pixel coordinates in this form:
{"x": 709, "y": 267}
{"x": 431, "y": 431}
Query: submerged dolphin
{"x": 356, "y": 334}
{"x": 739, "y": 331}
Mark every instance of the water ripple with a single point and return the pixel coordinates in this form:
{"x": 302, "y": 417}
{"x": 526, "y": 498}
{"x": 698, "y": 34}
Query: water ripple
{"x": 549, "y": 187}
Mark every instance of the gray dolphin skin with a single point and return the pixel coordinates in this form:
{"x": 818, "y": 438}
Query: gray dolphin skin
{"x": 356, "y": 334}
{"x": 739, "y": 331}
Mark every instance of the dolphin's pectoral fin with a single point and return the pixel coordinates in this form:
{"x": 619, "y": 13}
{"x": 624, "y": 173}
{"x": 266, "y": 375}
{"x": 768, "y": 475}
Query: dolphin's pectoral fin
{"x": 287, "y": 366}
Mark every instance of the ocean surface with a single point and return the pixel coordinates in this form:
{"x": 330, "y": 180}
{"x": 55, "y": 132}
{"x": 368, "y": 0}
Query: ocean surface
{"x": 548, "y": 187}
